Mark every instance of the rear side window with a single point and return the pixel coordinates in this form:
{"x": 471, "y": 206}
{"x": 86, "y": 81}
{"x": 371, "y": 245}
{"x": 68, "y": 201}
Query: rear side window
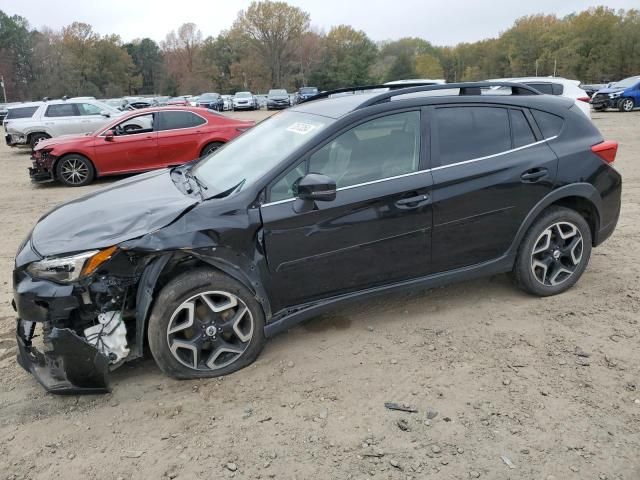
{"x": 175, "y": 120}
{"x": 61, "y": 110}
{"x": 21, "y": 112}
{"x": 549, "y": 124}
{"x": 466, "y": 133}
{"x": 520, "y": 129}
{"x": 548, "y": 88}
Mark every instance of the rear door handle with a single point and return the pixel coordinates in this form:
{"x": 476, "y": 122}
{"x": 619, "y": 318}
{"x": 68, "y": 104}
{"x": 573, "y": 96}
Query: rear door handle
{"x": 413, "y": 202}
{"x": 534, "y": 175}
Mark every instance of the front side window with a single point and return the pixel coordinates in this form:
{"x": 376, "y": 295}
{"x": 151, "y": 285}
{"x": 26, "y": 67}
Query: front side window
{"x": 381, "y": 148}
{"x": 467, "y": 133}
{"x": 61, "y": 110}
{"x": 283, "y": 188}
{"x": 175, "y": 120}
{"x": 88, "y": 109}
{"x": 139, "y": 124}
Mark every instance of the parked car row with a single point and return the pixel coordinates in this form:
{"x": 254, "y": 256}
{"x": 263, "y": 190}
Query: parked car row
{"x": 623, "y": 95}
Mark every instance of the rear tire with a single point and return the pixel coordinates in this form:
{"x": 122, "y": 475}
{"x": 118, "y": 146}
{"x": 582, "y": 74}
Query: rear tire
{"x": 209, "y": 148}
{"x": 75, "y": 171}
{"x": 554, "y": 253}
{"x": 626, "y": 105}
{"x": 205, "y": 324}
{"x": 37, "y": 138}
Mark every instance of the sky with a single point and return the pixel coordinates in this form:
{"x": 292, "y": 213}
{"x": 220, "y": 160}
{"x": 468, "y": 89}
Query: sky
{"x": 440, "y": 22}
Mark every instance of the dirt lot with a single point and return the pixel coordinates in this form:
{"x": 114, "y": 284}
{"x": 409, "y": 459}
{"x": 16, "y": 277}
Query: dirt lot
{"x": 497, "y": 368}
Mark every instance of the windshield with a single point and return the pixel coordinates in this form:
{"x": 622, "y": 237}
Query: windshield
{"x": 208, "y": 96}
{"x": 277, "y": 92}
{"x": 627, "y": 82}
{"x": 243, "y": 94}
{"x": 309, "y": 90}
{"x": 256, "y": 152}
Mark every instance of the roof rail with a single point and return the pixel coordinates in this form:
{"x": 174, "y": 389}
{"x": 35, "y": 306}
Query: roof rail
{"x": 397, "y": 86}
{"x": 466, "y": 88}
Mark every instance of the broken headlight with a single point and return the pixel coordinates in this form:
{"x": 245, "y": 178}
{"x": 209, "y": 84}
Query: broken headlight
{"x": 69, "y": 269}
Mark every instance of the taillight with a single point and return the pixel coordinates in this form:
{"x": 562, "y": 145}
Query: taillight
{"x": 583, "y": 99}
{"x": 606, "y": 150}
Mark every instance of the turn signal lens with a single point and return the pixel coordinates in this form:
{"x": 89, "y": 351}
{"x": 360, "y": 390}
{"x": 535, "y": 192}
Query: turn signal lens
{"x": 92, "y": 264}
{"x": 606, "y": 150}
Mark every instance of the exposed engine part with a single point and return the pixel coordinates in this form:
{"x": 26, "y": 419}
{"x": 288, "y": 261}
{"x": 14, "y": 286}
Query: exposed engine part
{"x": 109, "y": 336}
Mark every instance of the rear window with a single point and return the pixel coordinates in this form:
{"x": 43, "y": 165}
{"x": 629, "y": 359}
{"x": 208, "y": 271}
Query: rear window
{"x": 61, "y": 110}
{"x": 549, "y": 124}
{"x": 466, "y": 133}
{"x": 548, "y": 88}
{"x": 175, "y": 120}
{"x": 21, "y": 112}
{"x": 520, "y": 129}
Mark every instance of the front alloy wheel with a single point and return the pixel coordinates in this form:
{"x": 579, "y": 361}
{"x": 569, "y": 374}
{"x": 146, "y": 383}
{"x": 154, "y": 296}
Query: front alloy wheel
{"x": 210, "y": 330}
{"x": 626, "y": 104}
{"x": 205, "y": 324}
{"x": 557, "y": 254}
{"x": 74, "y": 171}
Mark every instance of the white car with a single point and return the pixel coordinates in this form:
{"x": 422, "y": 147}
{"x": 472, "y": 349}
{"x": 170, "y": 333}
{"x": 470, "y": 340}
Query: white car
{"x": 555, "y": 86}
{"x": 53, "y": 118}
{"x": 244, "y": 101}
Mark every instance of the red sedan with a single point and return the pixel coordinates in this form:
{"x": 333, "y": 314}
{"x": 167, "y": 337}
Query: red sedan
{"x": 136, "y": 142}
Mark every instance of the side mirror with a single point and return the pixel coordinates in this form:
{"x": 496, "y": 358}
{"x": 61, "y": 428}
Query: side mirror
{"x": 104, "y": 113}
{"x": 313, "y": 187}
{"x": 109, "y": 136}
{"x": 316, "y": 187}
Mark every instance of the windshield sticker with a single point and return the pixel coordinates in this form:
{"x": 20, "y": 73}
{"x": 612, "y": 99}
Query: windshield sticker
{"x": 301, "y": 128}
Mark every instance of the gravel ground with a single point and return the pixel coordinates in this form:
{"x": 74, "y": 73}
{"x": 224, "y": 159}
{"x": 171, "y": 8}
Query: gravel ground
{"x": 506, "y": 386}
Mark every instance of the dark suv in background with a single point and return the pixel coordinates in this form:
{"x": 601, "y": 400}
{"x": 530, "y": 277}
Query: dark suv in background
{"x": 331, "y": 201}
{"x": 213, "y": 101}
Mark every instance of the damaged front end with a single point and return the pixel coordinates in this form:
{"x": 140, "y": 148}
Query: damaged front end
{"x": 84, "y": 322}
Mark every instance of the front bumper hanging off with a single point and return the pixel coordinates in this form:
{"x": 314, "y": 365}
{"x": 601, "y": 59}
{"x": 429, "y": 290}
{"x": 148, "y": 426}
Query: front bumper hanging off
{"x": 68, "y": 366}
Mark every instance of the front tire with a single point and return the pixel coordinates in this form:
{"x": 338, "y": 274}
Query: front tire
{"x": 205, "y": 324}
{"x": 626, "y": 105}
{"x": 554, "y": 253}
{"x": 75, "y": 171}
{"x": 37, "y": 138}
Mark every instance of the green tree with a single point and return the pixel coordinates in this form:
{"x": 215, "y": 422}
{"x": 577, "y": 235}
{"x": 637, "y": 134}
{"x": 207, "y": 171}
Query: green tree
{"x": 349, "y": 57}
{"x": 148, "y": 61}
{"x": 273, "y": 31}
{"x": 428, "y": 66}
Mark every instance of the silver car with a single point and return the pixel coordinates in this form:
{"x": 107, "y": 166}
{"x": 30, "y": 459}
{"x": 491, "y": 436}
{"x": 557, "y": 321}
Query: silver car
{"x": 57, "y": 117}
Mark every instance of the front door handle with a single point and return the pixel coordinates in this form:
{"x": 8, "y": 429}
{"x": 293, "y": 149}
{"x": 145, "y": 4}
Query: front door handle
{"x": 534, "y": 175}
{"x": 413, "y": 202}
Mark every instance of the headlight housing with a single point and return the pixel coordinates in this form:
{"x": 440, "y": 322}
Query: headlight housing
{"x": 71, "y": 268}
{"x": 615, "y": 94}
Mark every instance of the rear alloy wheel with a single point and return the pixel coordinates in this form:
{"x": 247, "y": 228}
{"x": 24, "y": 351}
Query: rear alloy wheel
{"x": 210, "y": 148}
{"x": 554, "y": 253}
{"x": 205, "y": 324}
{"x": 75, "y": 171}
{"x": 626, "y": 105}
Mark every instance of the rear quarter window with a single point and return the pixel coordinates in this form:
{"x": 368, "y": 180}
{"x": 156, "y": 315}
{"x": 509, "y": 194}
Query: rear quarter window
{"x": 549, "y": 124}
{"x": 21, "y": 112}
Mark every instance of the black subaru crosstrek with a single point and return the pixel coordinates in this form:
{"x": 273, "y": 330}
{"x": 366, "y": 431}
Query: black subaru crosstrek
{"x": 333, "y": 200}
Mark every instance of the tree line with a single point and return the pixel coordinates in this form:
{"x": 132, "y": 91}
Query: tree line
{"x": 273, "y": 45}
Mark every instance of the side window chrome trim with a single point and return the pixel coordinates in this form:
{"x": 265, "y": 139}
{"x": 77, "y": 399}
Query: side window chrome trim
{"x": 286, "y": 200}
{"x": 464, "y": 162}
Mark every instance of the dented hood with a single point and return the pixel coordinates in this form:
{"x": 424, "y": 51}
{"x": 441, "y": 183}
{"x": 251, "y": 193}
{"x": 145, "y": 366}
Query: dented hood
{"x": 125, "y": 210}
